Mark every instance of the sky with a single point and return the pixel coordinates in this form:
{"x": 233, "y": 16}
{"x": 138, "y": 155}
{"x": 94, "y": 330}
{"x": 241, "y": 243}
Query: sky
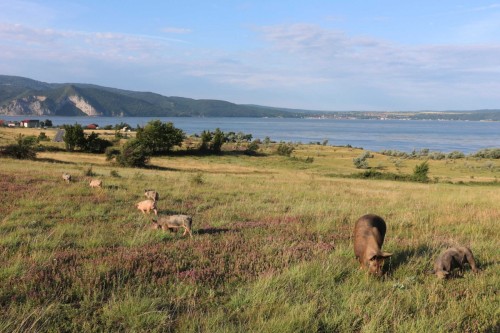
{"x": 332, "y": 55}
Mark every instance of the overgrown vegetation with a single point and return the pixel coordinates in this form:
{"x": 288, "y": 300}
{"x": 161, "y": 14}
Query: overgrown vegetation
{"x": 421, "y": 171}
{"x": 160, "y": 137}
{"x": 133, "y": 154}
{"x": 271, "y": 252}
{"x": 361, "y": 162}
{"x": 23, "y": 149}
{"x": 75, "y": 138}
{"x": 285, "y": 149}
{"x": 493, "y": 153}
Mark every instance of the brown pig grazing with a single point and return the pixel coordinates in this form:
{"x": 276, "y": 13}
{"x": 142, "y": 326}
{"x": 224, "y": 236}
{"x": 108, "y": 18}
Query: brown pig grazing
{"x": 95, "y": 183}
{"x": 147, "y": 205}
{"x": 369, "y": 233}
{"x": 174, "y": 222}
{"x": 454, "y": 257}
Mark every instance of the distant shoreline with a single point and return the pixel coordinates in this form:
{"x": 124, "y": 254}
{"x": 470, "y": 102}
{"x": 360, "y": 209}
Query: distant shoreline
{"x": 370, "y": 134}
{"x": 332, "y": 117}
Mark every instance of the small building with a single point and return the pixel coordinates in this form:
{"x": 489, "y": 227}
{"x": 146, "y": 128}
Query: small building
{"x": 30, "y": 123}
{"x": 12, "y": 124}
{"x": 92, "y": 126}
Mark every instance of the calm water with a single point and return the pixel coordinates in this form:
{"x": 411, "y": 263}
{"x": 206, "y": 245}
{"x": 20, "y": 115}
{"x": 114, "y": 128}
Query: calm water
{"x": 375, "y": 135}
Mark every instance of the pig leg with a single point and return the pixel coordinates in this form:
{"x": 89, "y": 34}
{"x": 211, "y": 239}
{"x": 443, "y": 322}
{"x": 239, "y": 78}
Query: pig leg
{"x": 472, "y": 262}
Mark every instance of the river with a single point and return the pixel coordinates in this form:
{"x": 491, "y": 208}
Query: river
{"x": 374, "y": 135}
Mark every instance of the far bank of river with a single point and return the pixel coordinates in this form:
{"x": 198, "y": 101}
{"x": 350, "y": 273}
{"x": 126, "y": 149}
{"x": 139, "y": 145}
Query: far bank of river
{"x": 375, "y": 135}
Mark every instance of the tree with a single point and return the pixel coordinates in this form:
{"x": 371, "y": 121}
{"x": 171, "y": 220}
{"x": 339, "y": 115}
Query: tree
{"x": 206, "y": 137}
{"x": 160, "y": 137}
{"x": 94, "y": 144}
{"x": 217, "y": 141}
{"x": 74, "y": 137}
{"x": 133, "y": 154}
{"x": 46, "y": 123}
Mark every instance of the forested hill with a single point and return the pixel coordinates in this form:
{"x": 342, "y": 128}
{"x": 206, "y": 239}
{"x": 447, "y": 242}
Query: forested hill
{"x": 23, "y": 96}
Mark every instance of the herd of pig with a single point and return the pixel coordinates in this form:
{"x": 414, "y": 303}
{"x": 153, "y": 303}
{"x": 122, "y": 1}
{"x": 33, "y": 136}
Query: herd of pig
{"x": 369, "y": 234}
{"x": 164, "y": 222}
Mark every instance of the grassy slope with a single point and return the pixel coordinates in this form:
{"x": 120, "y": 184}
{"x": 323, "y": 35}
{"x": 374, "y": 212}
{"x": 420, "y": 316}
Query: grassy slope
{"x": 271, "y": 250}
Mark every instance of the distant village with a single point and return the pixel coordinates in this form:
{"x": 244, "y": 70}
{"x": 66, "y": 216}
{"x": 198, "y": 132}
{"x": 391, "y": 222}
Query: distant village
{"x": 36, "y": 123}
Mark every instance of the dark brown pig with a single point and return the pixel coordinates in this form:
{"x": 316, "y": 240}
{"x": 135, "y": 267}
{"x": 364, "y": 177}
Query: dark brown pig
{"x": 369, "y": 233}
{"x": 454, "y": 257}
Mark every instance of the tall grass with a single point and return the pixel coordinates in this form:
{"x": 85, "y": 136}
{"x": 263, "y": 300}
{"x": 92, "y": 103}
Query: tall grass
{"x": 271, "y": 250}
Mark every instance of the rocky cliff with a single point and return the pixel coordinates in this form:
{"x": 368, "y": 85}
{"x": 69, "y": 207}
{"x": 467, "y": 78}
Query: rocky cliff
{"x": 40, "y": 105}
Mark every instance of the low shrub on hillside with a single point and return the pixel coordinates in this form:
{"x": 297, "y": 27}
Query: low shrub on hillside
{"x": 493, "y": 153}
{"x": 285, "y": 149}
{"x": 360, "y": 162}
{"x": 133, "y": 154}
{"x": 23, "y": 149}
{"x": 424, "y": 153}
{"x": 374, "y": 174}
{"x": 420, "y": 172}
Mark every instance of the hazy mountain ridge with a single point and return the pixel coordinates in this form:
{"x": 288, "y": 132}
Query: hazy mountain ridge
{"x": 24, "y": 96}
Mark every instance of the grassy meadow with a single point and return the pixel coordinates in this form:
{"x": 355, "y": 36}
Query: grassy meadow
{"x": 271, "y": 249}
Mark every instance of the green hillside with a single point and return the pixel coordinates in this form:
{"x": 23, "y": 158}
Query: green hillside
{"x": 23, "y": 96}
{"x": 18, "y": 93}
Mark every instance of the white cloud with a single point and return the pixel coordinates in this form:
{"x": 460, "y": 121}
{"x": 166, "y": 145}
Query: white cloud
{"x": 300, "y": 63}
{"x": 105, "y": 46}
{"x": 334, "y": 52}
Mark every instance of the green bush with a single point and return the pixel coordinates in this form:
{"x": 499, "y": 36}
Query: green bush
{"x": 43, "y": 137}
{"x": 252, "y": 147}
{"x": 212, "y": 141}
{"x": 455, "y": 155}
{"x": 217, "y": 141}
{"x": 94, "y": 144}
{"x": 493, "y": 153}
{"x": 160, "y": 137}
{"x": 74, "y": 137}
{"x": 420, "y": 172}
{"x": 285, "y": 149}
{"x": 133, "y": 154}
{"x": 24, "y": 149}
{"x": 360, "y": 162}
{"x": 435, "y": 155}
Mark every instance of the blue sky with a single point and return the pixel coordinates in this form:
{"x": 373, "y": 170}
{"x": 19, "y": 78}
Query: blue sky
{"x": 321, "y": 55}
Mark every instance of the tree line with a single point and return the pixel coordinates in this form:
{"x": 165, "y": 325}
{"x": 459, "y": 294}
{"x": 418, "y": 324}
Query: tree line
{"x": 156, "y": 138}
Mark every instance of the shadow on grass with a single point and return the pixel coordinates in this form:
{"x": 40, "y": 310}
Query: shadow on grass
{"x": 199, "y": 153}
{"x": 400, "y": 258}
{"x": 213, "y": 231}
{"x": 51, "y": 160}
{"x": 114, "y": 187}
{"x": 159, "y": 168}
